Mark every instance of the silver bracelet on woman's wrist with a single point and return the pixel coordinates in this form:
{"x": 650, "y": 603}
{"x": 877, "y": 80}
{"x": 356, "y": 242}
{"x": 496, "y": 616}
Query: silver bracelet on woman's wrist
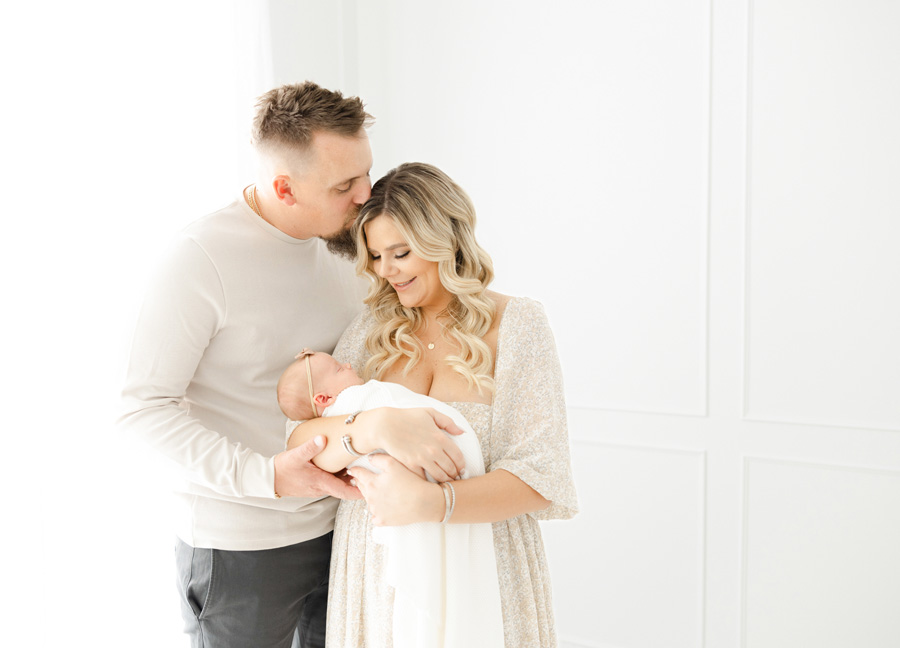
{"x": 449, "y": 501}
{"x": 345, "y": 440}
{"x": 348, "y": 446}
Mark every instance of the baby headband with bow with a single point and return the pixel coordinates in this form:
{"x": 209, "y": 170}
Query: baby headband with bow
{"x": 306, "y": 353}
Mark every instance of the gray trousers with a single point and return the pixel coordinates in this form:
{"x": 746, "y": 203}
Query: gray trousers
{"x": 254, "y": 599}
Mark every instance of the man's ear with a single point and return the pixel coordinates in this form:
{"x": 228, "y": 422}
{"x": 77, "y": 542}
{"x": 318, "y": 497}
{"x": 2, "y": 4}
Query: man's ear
{"x": 283, "y": 191}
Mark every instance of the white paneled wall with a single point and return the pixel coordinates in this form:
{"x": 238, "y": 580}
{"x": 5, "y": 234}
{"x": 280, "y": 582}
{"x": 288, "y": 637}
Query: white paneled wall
{"x": 705, "y": 197}
{"x": 581, "y": 132}
{"x": 705, "y": 194}
{"x": 823, "y": 215}
{"x": 625, "y": 575}
{"x": 820, "y": 555}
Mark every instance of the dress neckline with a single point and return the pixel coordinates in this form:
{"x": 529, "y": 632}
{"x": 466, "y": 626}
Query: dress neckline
{"x": 503, "y": 320}
{"x": 455, "y": 403}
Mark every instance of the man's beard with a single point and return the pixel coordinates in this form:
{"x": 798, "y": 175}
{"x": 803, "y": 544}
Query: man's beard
{"x": 342, "y": 244}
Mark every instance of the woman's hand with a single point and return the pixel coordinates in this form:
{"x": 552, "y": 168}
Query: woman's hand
{"x": 397, "y": 496}
{"x": 416, "y": 438}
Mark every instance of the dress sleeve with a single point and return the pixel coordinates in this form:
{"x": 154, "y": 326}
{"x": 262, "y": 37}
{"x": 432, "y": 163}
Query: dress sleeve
{"x": 352, "y": 345}
{"x": 529, "y": 434}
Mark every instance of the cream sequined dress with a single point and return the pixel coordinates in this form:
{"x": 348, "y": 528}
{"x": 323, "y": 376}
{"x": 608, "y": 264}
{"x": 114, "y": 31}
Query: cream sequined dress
{"x": 524, "y": 432}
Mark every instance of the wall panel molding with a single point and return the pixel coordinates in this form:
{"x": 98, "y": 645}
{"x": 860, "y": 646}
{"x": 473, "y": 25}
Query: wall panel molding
{"x": 820, "y": 230}
{"x": 571, "y": 642}
{"x": 817, "y": 527}
{"x": 630, "y": 569}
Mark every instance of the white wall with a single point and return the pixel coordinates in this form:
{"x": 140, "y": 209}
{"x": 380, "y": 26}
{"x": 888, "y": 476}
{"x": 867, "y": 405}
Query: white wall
{"x": 122, "y": 122}
{"x": 581, "y": 134}
{"x": 702, "y": 194}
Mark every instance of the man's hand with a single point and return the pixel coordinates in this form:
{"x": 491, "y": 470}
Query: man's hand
{"x": 415, "y": 438}
{"x": 296, "y": 476}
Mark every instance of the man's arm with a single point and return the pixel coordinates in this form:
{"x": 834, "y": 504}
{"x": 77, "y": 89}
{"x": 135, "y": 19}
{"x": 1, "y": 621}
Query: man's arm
{"x": 182, "y": 312}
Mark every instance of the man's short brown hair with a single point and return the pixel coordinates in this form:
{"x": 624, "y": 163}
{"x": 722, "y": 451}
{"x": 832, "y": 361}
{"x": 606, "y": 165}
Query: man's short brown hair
{"x": 289, "y": 115}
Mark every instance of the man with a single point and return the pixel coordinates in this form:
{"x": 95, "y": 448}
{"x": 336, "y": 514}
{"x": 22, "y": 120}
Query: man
{"x": 242, "y": 291}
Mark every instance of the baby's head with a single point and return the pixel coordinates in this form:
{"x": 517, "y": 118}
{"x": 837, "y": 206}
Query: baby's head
{"x": 311, "y": 383}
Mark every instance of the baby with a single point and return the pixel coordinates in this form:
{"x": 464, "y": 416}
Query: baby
{"x": 426, "y": 562}
{"x": 296, "y": 396}
{"x": 316, "y": 384}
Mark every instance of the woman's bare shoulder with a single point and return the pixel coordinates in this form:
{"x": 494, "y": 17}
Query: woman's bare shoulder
{"x": 516, "y": 311}
{"x": 500, "y": 300}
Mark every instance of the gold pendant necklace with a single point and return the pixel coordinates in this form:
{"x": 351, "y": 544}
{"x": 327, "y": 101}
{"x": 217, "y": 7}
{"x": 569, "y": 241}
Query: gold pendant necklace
{"x": 430, "y": 345}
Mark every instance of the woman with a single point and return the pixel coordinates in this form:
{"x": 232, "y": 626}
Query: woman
{"x": 433, "y": 326}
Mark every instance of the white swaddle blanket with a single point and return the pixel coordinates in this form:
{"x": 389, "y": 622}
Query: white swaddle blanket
{"x": 447, "y": 593}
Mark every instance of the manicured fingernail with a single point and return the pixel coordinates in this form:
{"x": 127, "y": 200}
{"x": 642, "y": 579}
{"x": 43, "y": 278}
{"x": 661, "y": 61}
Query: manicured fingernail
{"x": 353, "y": 482}
{"x": 320, "y": 441}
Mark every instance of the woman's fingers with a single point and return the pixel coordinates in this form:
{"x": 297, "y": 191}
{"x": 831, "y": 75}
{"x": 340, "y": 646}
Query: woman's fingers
{"x": 448, "y": 446}
{"x": 418, "y": 439}
{"x": 362, "y": 477}
{"x": 395, "y": 496}
{"x": 444, "y": 422}
{"x": 444, "y": 469}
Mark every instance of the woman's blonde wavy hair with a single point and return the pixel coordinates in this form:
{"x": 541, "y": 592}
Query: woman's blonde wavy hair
{"x": 437, "y": 220}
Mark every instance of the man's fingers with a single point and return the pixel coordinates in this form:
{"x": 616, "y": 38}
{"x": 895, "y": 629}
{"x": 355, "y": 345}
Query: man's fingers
{"x": 336, "y": 487}
{"x": 308, "y": 450}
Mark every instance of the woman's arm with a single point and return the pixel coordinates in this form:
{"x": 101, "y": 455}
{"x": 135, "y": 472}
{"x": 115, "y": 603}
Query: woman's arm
{"x": 398, "y": 497}
{"x": 529, "y": 448}
{"x": 415, "y": 437}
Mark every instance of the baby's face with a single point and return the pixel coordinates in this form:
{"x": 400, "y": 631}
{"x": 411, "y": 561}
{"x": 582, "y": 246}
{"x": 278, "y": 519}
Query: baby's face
{"x": 331, "y": 377}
